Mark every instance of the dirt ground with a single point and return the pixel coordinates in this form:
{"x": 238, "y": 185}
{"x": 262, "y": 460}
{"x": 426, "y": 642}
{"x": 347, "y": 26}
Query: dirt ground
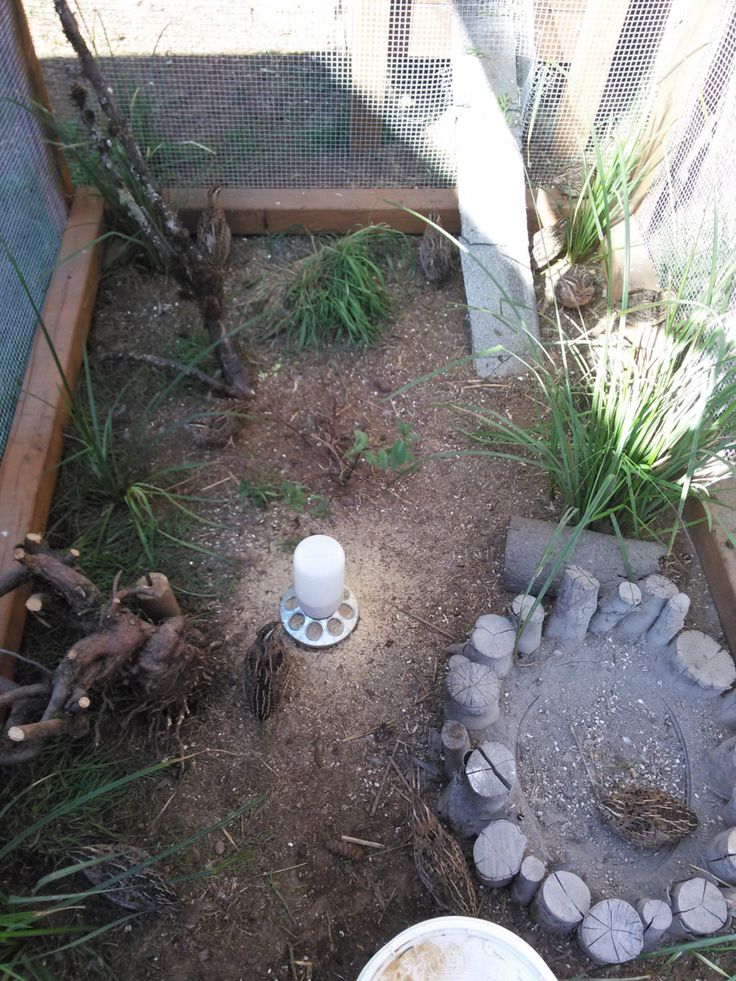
{"x": 424, "y": 558}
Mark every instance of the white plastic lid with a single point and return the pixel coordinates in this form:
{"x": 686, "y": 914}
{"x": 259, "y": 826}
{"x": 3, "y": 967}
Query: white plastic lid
{"x": 456, "y": 948}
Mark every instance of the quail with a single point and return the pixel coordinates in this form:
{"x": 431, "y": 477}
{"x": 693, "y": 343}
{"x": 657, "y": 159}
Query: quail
{"x": 141, "y": 890}
{"x": 435, "y": 252}
{"x": 213, "y": 232}
{"x": 265, "y": 670}
{"x": 576, "y": 287}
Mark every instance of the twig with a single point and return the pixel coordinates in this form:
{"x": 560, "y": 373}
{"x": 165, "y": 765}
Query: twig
{"x": 298, "y": 432}
{"x": 426, "y": 623}
{"x": 362, "y": 735}
{"x": 24, "y": 691}
{"x": 279, "y": 895}
{"x": 289, "y": 868}
{"x": 379, "y": 794}
{"x": 294, "y": 975}
{"x": 591, "y": 777}
{"x": 168, "y": 364}
{"x": 386, "y": 906}
{"x": 26, "y": 660}
{"x": 363, "y": 842}
{"x": 161, "y": 812}
{"x": 13, "y": 578}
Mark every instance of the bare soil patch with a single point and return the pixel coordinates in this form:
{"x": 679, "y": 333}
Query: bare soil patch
{"x": 424, "y": 558}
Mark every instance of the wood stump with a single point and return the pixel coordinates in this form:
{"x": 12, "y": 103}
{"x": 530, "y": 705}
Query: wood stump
{"x": 656, "y": 918}
{"x": 498, "y": 852}
{"x": 723, "y": 766}
{"x": 670, "y": 621}
{"x": 576, "y": 603}
{"x": 528, "y": 624}
{"x": 529, "y": 878}
{"x": 611, "y": 932}
{"x": 701, "y": 661}
{"x": 720, "y": 855}
{"x": 655, "y": 591}
{"x": 159, "y": 602}
{"x": 729, "y": 811}
{"x": 492, "y": 643}
{"x": 455, "y": 746}
{"x": 548, "y": 244}
{"x": 613, "y": 606}
{"x": 561, "y": 902}
{"x": 698, "y": 907}
{"x": 727, "y": 710}
{"x": 472, "y": 693}
{"x": 491, "y": 774}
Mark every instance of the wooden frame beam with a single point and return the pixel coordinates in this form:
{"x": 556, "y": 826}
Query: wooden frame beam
{"x": 718, "y": 557}
{"x": 263, "y": 211}
{"x": 28, "y": 466}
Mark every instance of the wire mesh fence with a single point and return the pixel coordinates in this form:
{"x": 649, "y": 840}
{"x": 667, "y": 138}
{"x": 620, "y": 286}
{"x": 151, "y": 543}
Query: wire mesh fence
{"x": 325, "y": 93}
{"x": 689, "y": 216}
{"x": 32, "y": 218}
{"x": 303, "y": 94}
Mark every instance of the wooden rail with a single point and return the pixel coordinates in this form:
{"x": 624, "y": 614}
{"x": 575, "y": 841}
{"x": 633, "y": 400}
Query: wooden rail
{"x": 263, "y": 211}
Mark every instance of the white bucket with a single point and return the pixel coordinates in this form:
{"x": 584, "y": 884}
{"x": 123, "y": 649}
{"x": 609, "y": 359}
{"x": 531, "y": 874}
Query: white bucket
{"x": 456, "y": 948}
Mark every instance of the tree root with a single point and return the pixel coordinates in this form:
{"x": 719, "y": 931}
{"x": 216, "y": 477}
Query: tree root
{"x": 122, "y": 656}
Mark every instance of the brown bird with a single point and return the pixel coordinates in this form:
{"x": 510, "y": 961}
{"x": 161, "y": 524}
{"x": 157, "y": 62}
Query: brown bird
{"x": 435, "y": 252}
{"x": 142, "y": 890}
{"x": 439, "y": 860}
{"x": 265, "y": 670}
{"x": 213, "y": 232}
{"x": 647, "y": 816}
{"x": 576, "y": 287}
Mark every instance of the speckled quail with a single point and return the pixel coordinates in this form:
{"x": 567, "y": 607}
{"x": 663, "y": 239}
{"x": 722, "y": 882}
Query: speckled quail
{"x": 576, "y": 287}
{"x": 213, "y": 232}
{"x": 141, "y": 890}
{"x": 265, "y": 670}
{"x": 435, "y": 252}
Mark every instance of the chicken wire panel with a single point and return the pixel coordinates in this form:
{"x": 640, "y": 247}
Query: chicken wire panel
{"x": 584, "y": 63}
{"x": 691, "y": 209}
{"x": 32, "y": 219}
{"x": 298, "y": 94}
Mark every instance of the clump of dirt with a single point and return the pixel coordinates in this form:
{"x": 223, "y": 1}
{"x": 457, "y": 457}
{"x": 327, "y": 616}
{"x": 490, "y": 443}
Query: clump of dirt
{"x": 424, "y": 556}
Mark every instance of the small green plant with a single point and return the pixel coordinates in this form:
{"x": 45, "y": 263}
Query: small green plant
{"x": 337, "y": 293}
{"x": 504, "y": 104}
{"x": 118, "y": 474}
{"x": 264, "y": 492}
{"x": 704, "y": 949}
{"x": 398, "y": 457}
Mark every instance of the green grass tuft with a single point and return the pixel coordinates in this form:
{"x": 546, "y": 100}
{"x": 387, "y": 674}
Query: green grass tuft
{"x": 610, "y": 178}
{"x": 338, "y": 293}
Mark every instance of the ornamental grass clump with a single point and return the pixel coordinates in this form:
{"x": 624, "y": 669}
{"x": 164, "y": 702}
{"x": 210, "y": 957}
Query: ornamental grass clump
{"x": 338, "y": 292}
{"x": 632, "y": 420}
{"x": 610, "y": 177}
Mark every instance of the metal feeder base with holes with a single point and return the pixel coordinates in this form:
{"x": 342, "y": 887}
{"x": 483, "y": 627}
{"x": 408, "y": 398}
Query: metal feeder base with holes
{"x": 319, "y": 633}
